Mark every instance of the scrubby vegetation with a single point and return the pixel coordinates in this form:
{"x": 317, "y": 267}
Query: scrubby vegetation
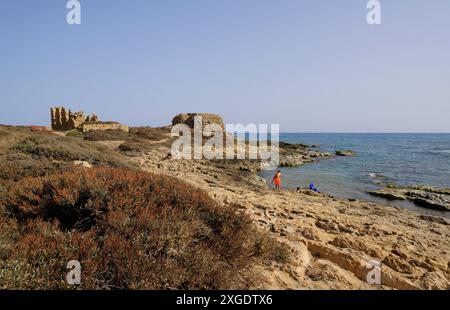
{"x": 24, "y": 152}
{"x": 106, "y": 135}
{"x": 139, "y": 139}
{"x": 150, "y": 133}
{"x": 129, "y": 229}
{"x": 57, "y": 148}
{"x": 135, "y": 134}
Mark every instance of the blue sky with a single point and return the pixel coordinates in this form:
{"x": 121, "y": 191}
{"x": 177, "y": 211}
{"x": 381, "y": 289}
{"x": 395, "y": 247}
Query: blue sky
{"x": 311, "y": 66}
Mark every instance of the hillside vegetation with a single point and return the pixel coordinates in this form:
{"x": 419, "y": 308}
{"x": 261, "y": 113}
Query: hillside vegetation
{"x": 129, "y": 229}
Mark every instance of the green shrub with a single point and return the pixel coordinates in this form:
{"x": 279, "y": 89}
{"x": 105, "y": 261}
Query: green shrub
{"x": 75, "y": 133}
{"x": 26, "y": 146}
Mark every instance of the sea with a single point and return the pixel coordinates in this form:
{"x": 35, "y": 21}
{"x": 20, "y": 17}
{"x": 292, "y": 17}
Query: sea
{"x": 382, "y": 159}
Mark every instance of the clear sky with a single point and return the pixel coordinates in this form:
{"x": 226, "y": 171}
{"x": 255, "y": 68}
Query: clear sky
{"x": 311, "y": 66}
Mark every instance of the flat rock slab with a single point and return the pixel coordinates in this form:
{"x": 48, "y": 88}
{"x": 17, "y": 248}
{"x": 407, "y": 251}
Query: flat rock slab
{"x": 424, "y": 196}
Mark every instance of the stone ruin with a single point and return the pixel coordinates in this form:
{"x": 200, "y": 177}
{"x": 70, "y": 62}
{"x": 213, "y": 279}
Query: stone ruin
{"x": 88, "y": 126}
{"x": 207, "y": 118}
{"x": 64, "y": 120}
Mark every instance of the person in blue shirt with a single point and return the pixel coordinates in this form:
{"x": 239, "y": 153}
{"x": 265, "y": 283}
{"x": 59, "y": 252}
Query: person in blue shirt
{"x": 312, "y": 187}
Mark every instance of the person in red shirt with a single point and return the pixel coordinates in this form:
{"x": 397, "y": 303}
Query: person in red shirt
{"x": 277, "y": 179}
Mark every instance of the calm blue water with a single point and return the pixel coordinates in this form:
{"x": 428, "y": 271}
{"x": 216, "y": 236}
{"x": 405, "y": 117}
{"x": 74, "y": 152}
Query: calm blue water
{"x": 402, "y": 159}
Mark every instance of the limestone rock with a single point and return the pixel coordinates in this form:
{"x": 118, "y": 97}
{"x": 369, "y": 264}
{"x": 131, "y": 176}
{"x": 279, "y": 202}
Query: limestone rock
{"x": 81, "y": 163}
{"x": 397, "y": 264}
{"x": 296, "y": 154}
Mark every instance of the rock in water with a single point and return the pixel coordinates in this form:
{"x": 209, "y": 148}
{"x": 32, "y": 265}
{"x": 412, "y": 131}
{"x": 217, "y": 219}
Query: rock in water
{"x": 345, "y": 153}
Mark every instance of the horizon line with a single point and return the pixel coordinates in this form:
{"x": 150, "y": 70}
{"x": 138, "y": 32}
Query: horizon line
{"x": 290, "y": 131}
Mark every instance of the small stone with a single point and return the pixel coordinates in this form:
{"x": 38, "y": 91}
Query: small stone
{"x": 80, "y": 163}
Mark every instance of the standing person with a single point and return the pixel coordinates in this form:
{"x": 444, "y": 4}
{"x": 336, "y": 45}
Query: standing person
{"x": 277, "y": 180}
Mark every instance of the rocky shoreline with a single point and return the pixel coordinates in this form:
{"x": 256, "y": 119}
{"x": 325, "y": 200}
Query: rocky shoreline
{"x": 293, "y": 155}
{"x": 331, "y": 240}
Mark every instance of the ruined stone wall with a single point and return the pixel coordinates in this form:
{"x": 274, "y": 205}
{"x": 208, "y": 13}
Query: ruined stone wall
{"x": 207, "y": 119}
{"x": 103, "y": 126}
{"x": 63, "y": 119}
{"x": 76, "y": 119}
{"x": 92, "y": 118}
{"x": 60, "y": 118}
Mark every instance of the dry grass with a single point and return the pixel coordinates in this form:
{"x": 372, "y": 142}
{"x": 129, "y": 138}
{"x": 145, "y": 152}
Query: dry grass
{"x": 150, "y": 133}
{"x": 24, "y": 152}
{"x": 136, "y": 134}
{"x": 138, "y": 140}
{"x": 106, "y": 135}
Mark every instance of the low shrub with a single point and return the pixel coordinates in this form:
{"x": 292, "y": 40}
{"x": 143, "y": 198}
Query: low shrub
{"x": 150, "y": 133}
{"x": 24, "y": 153}
{"x": 138, "y": 140}
{"x": 67, "y": 149}
{"x": 132, "y": 148}
{"x": 75, "y": 133}
{"x": 16, "y": 166}
{"x": 106, "y": 135}
{"x": 140, "y": 134}
{"x": 129, "y": 230}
